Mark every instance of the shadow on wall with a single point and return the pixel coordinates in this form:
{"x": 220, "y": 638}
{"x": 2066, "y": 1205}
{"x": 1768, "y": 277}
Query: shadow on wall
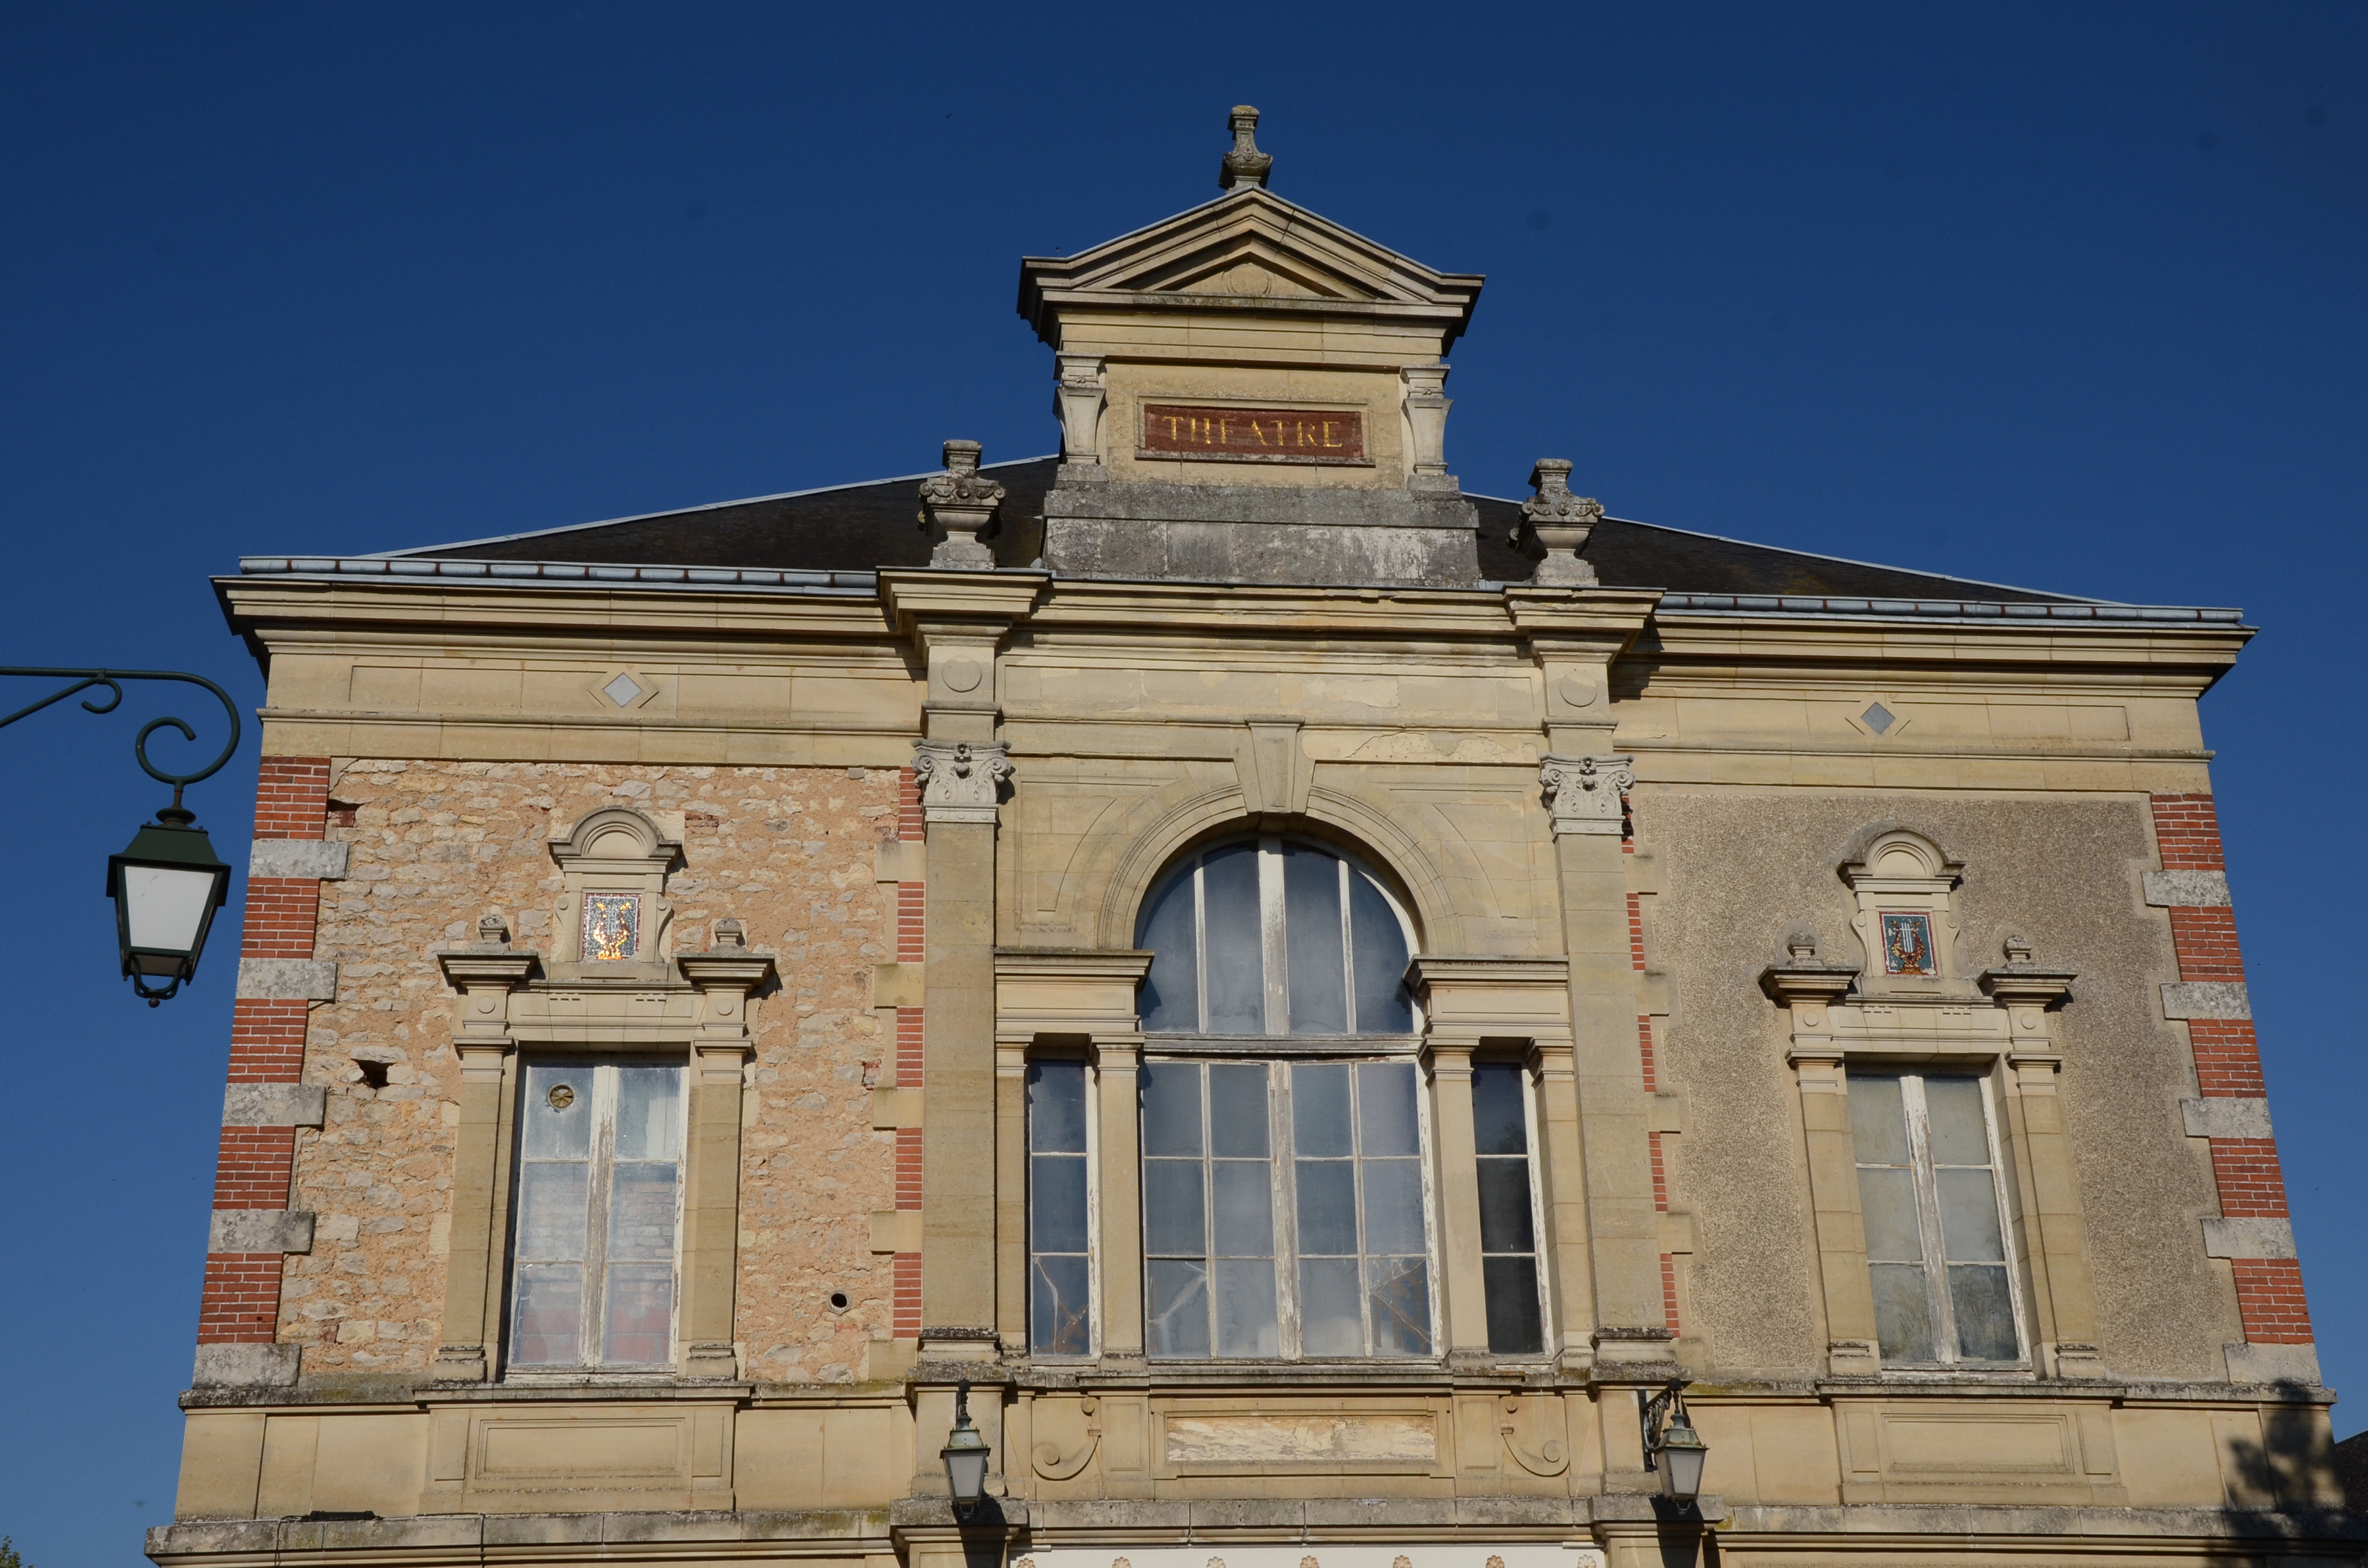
{"x": 2281, "y": 1469}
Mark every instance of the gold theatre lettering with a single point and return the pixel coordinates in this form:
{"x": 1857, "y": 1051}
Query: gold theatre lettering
{"x": 1254, "y": 435}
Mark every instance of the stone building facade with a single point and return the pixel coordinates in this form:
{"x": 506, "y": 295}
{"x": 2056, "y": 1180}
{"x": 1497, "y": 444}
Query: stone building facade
{"x": 1315, "y": 993}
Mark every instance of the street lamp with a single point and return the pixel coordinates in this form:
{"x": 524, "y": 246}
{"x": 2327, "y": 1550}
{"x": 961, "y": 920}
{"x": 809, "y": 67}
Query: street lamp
{"x": 166, "y": 885}
{"x": 965, "y": 1454}
{"x": 1676, "y": 1450}
{"x": 168, "y": 882}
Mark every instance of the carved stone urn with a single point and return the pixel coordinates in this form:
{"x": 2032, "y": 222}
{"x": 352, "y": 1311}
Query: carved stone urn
{"x": 1560, "y": 522}
{"x": 958, "y": 505}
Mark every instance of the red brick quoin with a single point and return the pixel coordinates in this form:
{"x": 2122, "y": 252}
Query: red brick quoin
{"x": 2228, "y": 1065}
{"x": 239, "y": 1304}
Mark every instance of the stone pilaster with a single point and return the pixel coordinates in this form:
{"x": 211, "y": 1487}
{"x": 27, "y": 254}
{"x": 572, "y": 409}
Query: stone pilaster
{"x": 484, "y": 974}
{"x": 728, "y": 977}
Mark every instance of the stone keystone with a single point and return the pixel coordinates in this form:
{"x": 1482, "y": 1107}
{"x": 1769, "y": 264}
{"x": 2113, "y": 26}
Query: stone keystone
{"x": 1560, "y": 522}
{"x": 958, "y": 504}
{"x": 1244, "y": 169}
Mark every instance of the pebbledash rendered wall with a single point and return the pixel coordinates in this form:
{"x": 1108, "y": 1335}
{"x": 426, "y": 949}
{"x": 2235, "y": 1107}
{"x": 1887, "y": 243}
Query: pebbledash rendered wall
{"x": 435, "y": 847}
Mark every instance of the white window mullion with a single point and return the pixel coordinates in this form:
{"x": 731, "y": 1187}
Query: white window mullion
{"x": 1200, "y": 950}
{"x": 596, "y": 1240}
{"x": 1286, "y": 1209}
{"x": 1927, "y": 1218}
{"x": 1273, "y": 938}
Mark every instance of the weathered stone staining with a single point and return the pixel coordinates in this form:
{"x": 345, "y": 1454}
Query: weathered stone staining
{"x": 1311, "y": 1008}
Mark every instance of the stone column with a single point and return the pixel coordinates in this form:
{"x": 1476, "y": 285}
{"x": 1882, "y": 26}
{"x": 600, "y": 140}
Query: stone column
{"x": 1456, "y": 1172}
{"x": 2053, "y": 1225}
{"x": 484, "y": 974}
{"x": 1563, "y": 1177}
{"x": 1809, "y": 986}
{"x": 728, "y": 977}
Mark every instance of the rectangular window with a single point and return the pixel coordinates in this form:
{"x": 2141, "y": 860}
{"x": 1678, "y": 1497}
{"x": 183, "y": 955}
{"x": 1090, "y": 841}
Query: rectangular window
{"x": 1060, "y": 1271}
{"x": 1508, "y": 1243}
{"x": 598, "y": 1211}
{"x": 1283, "y": 1212}
{"x": 1928, "y": 1178}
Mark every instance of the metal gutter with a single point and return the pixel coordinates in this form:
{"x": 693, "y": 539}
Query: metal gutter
{"x": 414, "y": 569}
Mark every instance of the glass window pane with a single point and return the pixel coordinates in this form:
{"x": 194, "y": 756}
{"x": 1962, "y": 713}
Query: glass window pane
{"x": 1498, "y": 1126}
{"x": 550, "y": 1313}
{"x": 1056, "y": 1107}
{"x": 1954, "y": 1107}
{"x": 1878, "y": 1122}
{"x": 1887, "y": 1199}
{"x": 1984, "y": 1312}
{"x": 1177, "y": 1315}
{"x": 1237, "y": 1110}
{"x": 1319, "y": 1110}
{"x": 1969, "y": 1217}
{"x": 1058, "y": 1322}
{"x": 1315, "y": 960}
{"x": 1385, "y": 1113}
{"x": 1392, "y": 1206}
{"x": 641, "y": 1213}
{"x": 1172, "y": 1214}
{"x": 1400, "y": 1290}
{"x": 1171, "y": 1108}
{"x": 649, "y": 1113}
{"x": 1504, "y": 1223}
{"x": 1378, "y": 947}
{"x": 1170, "y": 996}
{"x": 640, "y": 1309}
{"x": 1330, "y": 1322}
{"x": 1903, "y": 1315}
{"x": 1516, "y": 1327}
{"x": 1236, "y": 963}
{"x": 1056, "y": 1203}
{"x": 558, "y": 1112}
{"x": 1327, "y": 1208}
{"x": 1245, "y": 1315}
{"x": 553, "y": 1209}
{"x": 1244, "y": 1208}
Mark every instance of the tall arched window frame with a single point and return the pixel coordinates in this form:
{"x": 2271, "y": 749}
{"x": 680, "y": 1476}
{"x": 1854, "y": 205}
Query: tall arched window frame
{"x": 1275, "y": 936}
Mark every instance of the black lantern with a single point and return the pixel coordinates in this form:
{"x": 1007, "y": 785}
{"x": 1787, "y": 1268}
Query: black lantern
{"x": 1676, "y": 1450}
{"x": 965, "y": 1454}
{"x": 166, "y": 885}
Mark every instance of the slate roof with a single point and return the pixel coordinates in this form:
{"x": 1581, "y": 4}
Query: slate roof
{"x": 860, "y": 527}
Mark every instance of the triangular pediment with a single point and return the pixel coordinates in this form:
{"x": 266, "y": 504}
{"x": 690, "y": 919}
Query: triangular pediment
{"x": 1247, "y": 246}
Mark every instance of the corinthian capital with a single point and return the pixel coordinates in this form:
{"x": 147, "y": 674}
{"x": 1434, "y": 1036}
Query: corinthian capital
{"x": 959, "y": 779}
{"x": 1583, "y": 792}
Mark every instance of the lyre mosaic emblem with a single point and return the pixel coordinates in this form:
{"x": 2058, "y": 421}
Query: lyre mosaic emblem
{"x": 1907, "y": 945}
{"x": 613, "y": 927}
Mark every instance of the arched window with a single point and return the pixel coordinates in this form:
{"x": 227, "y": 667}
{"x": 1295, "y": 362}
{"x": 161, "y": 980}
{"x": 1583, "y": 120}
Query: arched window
{"x": 1274, "y": 937}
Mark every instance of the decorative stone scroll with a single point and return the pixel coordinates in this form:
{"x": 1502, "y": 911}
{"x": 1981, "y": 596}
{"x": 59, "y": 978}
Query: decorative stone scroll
{"x": 959, "y": 779}
{"x": 1583, "y": 792}
{"x": 1560, "y": 523}
{"x": 958, "y": 504}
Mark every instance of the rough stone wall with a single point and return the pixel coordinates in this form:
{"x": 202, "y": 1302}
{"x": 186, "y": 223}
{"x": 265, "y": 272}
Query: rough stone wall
{"x": 437, "y": 846}
{"x": 1742, "y": 867}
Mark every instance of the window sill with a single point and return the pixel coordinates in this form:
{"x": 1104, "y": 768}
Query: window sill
{"x": 1269, "y": 1045}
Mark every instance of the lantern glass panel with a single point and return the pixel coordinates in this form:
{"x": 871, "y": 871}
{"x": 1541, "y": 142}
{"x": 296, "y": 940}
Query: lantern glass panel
{"x": 165, "y": 908}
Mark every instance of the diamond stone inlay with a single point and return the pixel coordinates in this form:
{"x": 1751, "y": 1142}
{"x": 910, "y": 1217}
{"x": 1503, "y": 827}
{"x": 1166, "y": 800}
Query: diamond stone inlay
{"x": 1879, "y": 718}
{"x": 622, "y": 690}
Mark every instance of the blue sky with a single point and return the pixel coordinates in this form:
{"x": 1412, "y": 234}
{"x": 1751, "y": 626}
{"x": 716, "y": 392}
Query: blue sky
{"x": 2061, "y": 295}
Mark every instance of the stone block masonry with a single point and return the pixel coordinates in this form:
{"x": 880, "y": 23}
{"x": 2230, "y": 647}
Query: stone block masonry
{"x": 434, "y": 847}
{"x": 2227, "y": 1060}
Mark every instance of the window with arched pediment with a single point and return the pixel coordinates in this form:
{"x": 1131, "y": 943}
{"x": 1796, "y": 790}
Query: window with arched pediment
{"x": 1275, "y": 936}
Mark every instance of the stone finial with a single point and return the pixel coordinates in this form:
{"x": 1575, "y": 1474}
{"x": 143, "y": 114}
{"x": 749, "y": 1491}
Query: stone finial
{"x": 1800, "y": 944}
{"x": 493, "y": 931}
{"x": 729, "y": 933}
{"x": 1560, "y": 522}
{"x": 1245, "y": 167}
{"x": 960, "y": 506}
{"x": 2018, "y": 949}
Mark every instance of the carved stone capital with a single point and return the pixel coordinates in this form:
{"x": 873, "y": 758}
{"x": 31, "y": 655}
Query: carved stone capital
{"x": 1559, "y": 522}
{"x": 957, "y": 506}
{"x": 960, "y": 780}
{"x": 1583, "y": 792}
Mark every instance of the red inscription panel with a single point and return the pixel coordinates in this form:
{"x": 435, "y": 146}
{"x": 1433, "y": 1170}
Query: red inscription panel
{"x": 1254, "y": 435}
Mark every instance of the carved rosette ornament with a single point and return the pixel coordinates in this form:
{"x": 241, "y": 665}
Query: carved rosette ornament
{"x": 1560, "y": 522}
{"x": 1245, "y": 167}
{"x": 1583, "y": 792}
{"x": 959, "y": 779}
{"x": 958, "y": 504}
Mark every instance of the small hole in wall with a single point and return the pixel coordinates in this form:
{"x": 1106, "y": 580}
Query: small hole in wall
{"x": 839, "y": 1301}
{"x": 373, "y": 1073}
